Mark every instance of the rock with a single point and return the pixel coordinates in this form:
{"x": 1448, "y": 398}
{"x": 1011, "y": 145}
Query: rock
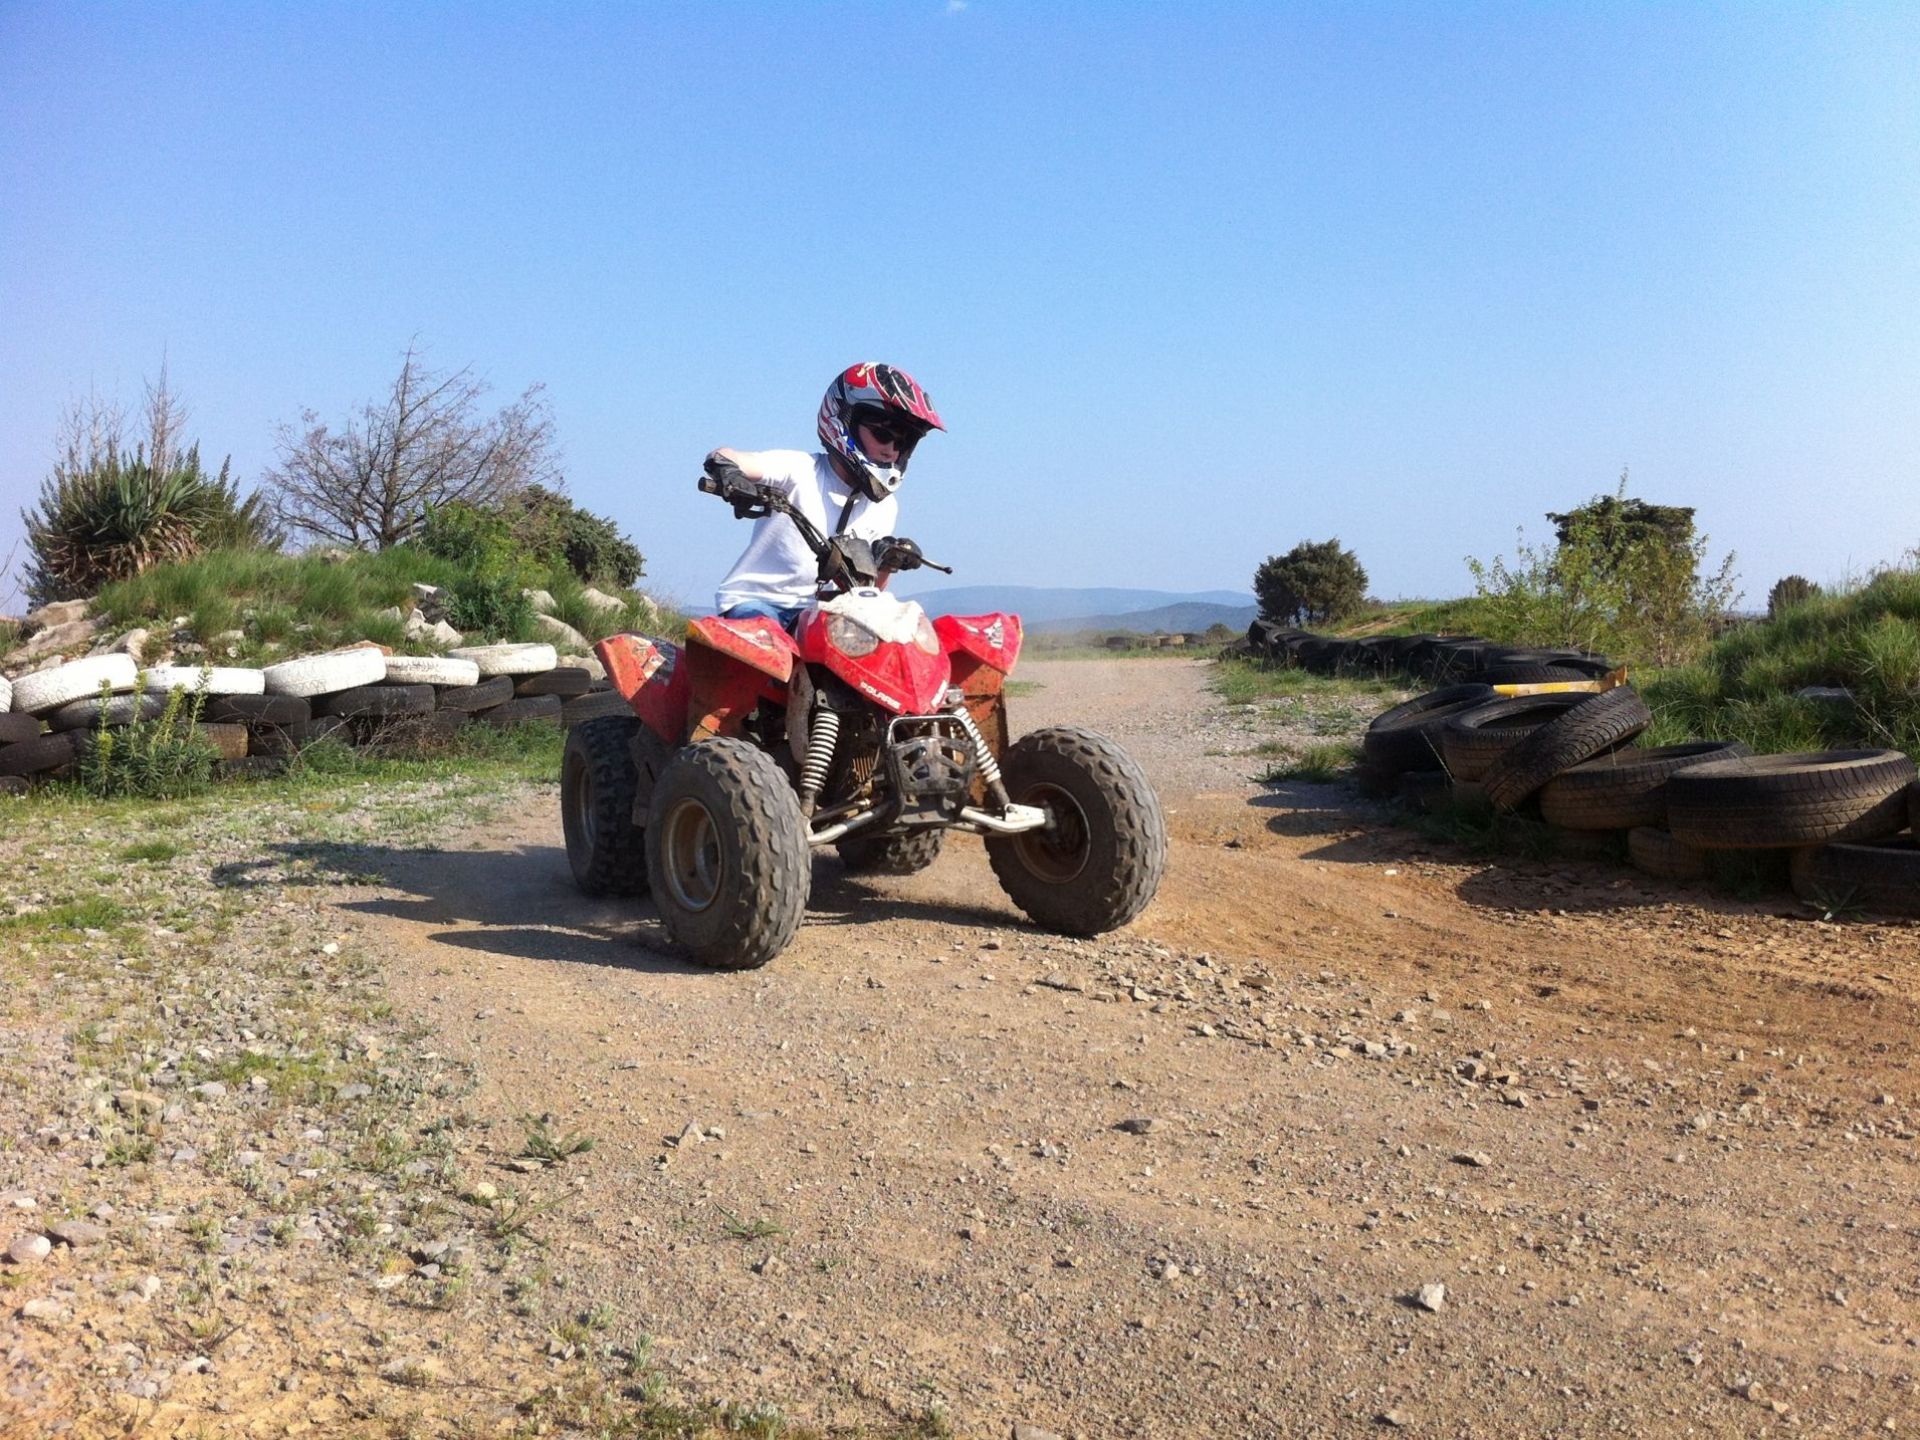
{"x": 767, "y": 1265}
{"x": 76, "y": 1233}
{"x": 444, "y": 635}
{"x": 29, "y": 1249}
{"x": 1479, "y": 1159}
{"x": 1024, "y": 1431}
{"x": 133, "y": 643}
{"x": 60, "y": 637}
{"x": 209, "y": 1090}
{"x": 355, "y": 1092}
{"x": 1398, "y": 1419}
{"x": 1138, "y": 1125}
{"x": 558, "y": 631}
{"x": 601, "y": 601}
{"x": 393, "y": 613}
{"x": 417, "y": 625}
{"x": 57, "y": 612}
{"x": 1431, "y": 1297}
{"x": 46, "y": 1310}
{"x": 332, "y": 555}
{"x": 1832, "y": 694}
{"x": 427, "y": 594}
{"x": 541, "y": 600}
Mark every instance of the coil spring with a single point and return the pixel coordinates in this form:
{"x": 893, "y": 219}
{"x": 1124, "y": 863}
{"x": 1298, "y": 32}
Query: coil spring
{"x": 821, "y": 739}
{"x": 983, "y": 755}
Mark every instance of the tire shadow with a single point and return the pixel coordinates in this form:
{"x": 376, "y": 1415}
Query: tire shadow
{"x": 520, "y": 902}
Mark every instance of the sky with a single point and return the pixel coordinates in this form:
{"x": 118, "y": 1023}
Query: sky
{"x": 1189, "y": 283}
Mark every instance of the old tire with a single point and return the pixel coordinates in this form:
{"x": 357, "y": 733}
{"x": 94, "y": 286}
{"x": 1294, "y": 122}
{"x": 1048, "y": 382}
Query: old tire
{"x": 1883, "y": 877}
{"x": 431, "y": 670}
{"x": 378, "y": 701}
{"x": 257, "y": 710}
{"x": 472, "y": 698}
{"x": 1771, "y": 801}
{"x": 583, "y": 708}
{"x": 46, "y": 690}
{"x": 566, "y": 681}
{"x": 228, "y": 742}
{"x": 1625, "y": 789}
{"x": 17, "y": 728}
{"x": 92, "y": 714}
{"x": 37, "y": 757}
{"x": 1655, "y": 852}
{"x": 1407, "y": 737}
{"x": 6, "y": 695}
{"x": 509, "y": 659}
{"x": 1598, "y": 724}
{"x": 903, "y": 854}
{"x": 727, "y": 855}
{"x": 327, "y": 674}
{"x": 1472, "y": 740}
{"x": 534, "y": 710}
{"x": 213, "y": 680}
{"x": 1099, "y": 863}
{"x": 599, "y": 779}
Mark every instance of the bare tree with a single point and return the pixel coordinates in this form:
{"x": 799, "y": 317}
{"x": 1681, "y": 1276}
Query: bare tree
{"x": 423, "y": 444}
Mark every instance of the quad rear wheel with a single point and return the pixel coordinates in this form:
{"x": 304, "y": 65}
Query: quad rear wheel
{"x": 1099, "y": 861}
{"x": 599, "y": 780}
{"x": 905, "y": 854}
{"x": 727, "y": 854}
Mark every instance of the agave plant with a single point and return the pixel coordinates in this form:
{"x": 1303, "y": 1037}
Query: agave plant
{"x": 117, "y": 516}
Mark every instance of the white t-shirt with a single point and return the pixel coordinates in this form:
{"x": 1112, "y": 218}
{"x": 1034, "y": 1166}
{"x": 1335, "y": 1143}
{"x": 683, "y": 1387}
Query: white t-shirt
{"x": 777, "y": 568}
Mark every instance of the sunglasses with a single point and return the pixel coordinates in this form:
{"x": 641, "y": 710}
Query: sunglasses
{"x": 887, "y": 432}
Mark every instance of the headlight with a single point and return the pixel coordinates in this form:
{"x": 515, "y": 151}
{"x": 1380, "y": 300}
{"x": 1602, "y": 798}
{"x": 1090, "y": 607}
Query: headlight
{"x": 924, "y": 637}
{"x": 849, "y": 636}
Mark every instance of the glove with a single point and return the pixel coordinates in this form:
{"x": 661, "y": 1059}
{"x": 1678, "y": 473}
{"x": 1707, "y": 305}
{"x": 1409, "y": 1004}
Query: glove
{"x": 897, "y": 553}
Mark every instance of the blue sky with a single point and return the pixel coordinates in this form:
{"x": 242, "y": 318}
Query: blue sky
{"x": 1190, "y": 283}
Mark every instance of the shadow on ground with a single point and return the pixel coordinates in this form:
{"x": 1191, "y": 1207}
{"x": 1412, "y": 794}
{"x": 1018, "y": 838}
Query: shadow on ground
{"x": 521, "y": 901}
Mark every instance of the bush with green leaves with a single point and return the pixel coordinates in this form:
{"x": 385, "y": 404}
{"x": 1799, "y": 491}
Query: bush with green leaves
{"x": 1314, "y": 583}
{"x": 118, "y": 515}
{"x": 556, "y": 532}
{"x": 1788, "y": 591}
{"x": 160, "y": 758}
{"x": 1624, "y": 578}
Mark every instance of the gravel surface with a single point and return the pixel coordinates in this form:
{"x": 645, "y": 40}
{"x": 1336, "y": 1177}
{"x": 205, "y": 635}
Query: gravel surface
{"x": 1347, "y": 1132}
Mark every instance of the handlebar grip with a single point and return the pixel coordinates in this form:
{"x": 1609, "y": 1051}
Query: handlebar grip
{"x": 710, "y": 486}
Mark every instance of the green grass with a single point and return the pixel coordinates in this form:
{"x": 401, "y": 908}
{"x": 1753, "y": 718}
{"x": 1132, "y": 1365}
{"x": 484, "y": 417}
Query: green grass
{"x": 152, "y": 852}
{"x": 1865, "y": 639}
{"x": 1320, "y": 763}
{"x": 93, "y": 913}
{"x": 301, "y": 604}
{"x": 1239, "y": 681}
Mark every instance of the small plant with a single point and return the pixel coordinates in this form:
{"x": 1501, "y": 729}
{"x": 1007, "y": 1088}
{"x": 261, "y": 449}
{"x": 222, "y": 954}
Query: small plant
{"x": 1787, "y": 592}
{"x": 1321, "y": 763}
{"x": 153, "y": 852}
{"x": 747, "y": 1230}
{"x": 1832, "y": 905}
{"x": 550, "y": 1148}
{"x": 124, "y": 1149}
{"x": 158, "y": 758}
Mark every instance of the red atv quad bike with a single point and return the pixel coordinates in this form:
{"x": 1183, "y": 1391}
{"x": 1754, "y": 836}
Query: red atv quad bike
{"x": 871, "y": 729}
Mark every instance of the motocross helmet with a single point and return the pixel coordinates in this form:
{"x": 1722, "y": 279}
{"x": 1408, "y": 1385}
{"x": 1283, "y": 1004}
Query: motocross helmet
{"x": 878, "y": 395}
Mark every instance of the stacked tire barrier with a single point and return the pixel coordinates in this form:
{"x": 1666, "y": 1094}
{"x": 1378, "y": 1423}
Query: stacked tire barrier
{"x": 256, "y": 720}
{"x": 1845, "y": 821}
{"x": 1428, "y": 659}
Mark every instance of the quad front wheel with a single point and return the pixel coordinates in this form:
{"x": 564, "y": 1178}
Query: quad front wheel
{"x": 727, "y": 854}
{"x": 1098, "y": 862}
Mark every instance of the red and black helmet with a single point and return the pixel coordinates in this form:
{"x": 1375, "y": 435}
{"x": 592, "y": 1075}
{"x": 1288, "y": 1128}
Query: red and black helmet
{"x": 879, "y": 395}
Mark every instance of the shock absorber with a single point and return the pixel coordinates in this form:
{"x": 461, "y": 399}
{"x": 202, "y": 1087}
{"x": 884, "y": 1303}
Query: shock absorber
{"x": 983, "y": 754}
{"x": 822, "y": 735}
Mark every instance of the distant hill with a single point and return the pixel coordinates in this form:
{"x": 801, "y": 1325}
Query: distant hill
{"x": 1190, "y": 616}
{"x": 1096, "y": 608}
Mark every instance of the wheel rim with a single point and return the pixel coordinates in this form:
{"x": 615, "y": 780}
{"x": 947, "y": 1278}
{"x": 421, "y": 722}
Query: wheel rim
{"x": 579, "y": 804}
{"x": 1058, "y": 853}
{"x": 690, "y": 850}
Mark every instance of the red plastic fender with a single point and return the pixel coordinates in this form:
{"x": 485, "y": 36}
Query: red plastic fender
{"x": 899, "y": 677}
{"x": 651, "y": 679}
{"x": 991, "y": 639}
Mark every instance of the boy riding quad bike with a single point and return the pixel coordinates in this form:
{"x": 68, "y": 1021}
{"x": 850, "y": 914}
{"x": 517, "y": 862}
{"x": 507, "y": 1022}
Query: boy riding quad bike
{"x": 870, "y": 728}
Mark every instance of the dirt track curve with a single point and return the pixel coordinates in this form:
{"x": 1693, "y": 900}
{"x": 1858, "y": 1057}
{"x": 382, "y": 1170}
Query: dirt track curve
{"x": 1657, "y": 1146}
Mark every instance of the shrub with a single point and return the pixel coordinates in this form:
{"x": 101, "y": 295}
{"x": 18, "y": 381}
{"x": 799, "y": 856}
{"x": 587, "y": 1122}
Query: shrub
{"x": 162, "y": 758}
{"x": 489, "y": 605}
{"x": 1313, "y": 583}
{"x": 119, "y": 515}
{"x": 1789, "y": 590}
{"x": 1624, "y": 578}
{"x": 555, "y": 532}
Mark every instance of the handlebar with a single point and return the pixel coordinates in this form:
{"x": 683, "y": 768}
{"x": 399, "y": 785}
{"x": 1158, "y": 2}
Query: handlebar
{"x": 754, "y": 501}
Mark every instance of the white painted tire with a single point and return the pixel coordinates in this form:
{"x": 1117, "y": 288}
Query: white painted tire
{"x": 509, "y": 659}
{"x": 50, "y": 689}
{"x": 431, "y": 670}
{"x": 6, "y": 695}
{"x": 327, "y": 674}
{"x": 214, "y": 680}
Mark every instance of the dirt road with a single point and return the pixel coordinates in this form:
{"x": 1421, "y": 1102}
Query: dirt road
{"x": 1191, "y": 1179}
